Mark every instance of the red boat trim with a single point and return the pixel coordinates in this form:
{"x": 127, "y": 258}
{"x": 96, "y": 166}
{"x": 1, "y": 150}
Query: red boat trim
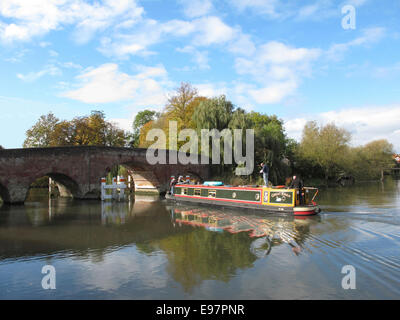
{"x": 304, "y": 213}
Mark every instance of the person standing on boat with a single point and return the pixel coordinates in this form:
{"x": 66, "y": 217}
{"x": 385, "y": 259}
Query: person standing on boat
{"x": 180, "y": 180}
{"x": 264, "y": 171}
{"x": 172, "y": 184}
{"x": 297, "y": 183}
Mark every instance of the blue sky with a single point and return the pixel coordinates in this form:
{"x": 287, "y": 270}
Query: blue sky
{"x": 289, "y": 58}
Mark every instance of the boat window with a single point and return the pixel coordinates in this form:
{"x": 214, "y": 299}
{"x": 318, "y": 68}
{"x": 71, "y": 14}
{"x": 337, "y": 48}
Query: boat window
{"x": 197, "y": 192}
{"x": 184, "y": 191}
{"x": 212, "y": 193}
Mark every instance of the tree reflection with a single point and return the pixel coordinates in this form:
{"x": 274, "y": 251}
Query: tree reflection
{"x": 201, "y": 254}
{"x": 372, "y": 193}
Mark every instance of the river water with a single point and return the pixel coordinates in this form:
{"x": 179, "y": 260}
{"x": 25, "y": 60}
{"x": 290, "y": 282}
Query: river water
{"x": 150, "y": 249}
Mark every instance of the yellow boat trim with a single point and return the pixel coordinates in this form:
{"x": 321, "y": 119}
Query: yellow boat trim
{"x": 293, "y": 191}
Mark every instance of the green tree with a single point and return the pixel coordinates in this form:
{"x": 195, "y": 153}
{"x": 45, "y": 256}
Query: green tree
{"x": 367, "y": 162}
{"x": 215, "y": 113}
{"x": 325, "y": 146}
{"x": 40, "y": 133}
{"x": 141, "y": 119}
{"x": 270, "y": 144}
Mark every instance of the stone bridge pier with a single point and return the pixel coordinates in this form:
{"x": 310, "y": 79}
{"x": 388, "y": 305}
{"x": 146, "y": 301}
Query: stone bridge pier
{"x": 78, "y": 170}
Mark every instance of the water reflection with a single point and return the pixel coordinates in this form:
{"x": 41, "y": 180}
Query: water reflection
{"x": 199, "y": 244}
{"x": 147, "y": 248}
{"x": 375, "y": 194}
{"x": 290, "y": 230}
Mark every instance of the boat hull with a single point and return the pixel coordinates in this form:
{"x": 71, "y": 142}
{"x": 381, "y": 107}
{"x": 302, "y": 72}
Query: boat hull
{"x": 262, "y": 199}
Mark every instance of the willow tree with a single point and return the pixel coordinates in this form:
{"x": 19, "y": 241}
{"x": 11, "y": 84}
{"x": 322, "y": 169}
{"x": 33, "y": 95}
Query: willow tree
{"x": 214, "y": 114}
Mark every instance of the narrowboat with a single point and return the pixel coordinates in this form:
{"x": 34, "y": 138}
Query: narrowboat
{"x": 277, "y": 199}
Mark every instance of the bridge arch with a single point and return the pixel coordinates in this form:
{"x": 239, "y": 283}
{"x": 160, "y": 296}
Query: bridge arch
{"x": 4, "y": 194}
{"x": 144, "y": 177}
{"x": 67, "y": 186}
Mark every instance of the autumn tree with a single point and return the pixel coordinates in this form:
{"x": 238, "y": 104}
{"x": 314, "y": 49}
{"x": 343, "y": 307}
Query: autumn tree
{"x": 88, "y": 130}
{"x": 180, "y": 108}
{"x": 181, "y": 105}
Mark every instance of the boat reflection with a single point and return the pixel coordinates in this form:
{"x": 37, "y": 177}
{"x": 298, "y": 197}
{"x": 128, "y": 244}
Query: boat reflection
{"x": 269, "y": 231}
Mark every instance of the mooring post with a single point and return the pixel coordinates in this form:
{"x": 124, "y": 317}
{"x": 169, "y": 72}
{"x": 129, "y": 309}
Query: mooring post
{"x": 114, "y": 190}
{"x": 50, "y": 187}
{"x": 103, "y": 190}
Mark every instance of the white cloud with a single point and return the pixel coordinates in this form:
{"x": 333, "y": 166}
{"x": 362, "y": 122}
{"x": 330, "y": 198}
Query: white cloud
{"x": 196, "y": 8}
{"x": 33, "y": 76}
{"x": 369, "y": 36}
{"x": 199, "y": 57}
{"x": 44, "y": 44}
{"x": 211, "y": 89}
{"x": 106, "y": 84}
{"x": 204, "y": 31}
{"x": 123, "y": 123}
{"x": 274, "y": 92}
{"x": 242, "y": 44}
{"x": 53, "y": 53}
{"x": 383, "y": 72}
{"x": 277, "y": 69}
{"x": 320, "y": 10}
{"x": 37, "y": 17}
{"x": 71, "y": 65}
{"x": 130, "y": 263}
{"x": 294, "y": 9}
{"x": 365, "y": 124}
{"x": 18, "y": 56}
{"x": 264, "y": 7}
{"x": 211, "y": 30}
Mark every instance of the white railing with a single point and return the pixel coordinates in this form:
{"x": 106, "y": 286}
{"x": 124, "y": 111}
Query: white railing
{"x": 117, "y": 188}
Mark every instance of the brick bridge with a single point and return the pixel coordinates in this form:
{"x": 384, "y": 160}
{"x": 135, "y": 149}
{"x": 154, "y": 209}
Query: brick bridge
{"x": 77, "y": 170}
